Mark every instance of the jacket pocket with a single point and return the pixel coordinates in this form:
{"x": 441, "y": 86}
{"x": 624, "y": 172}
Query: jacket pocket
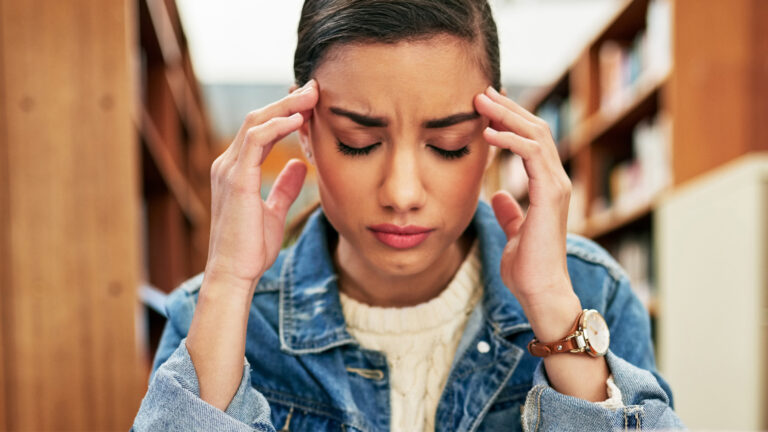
{"x": 297, "y": 418}
{"x": 504, "y": 413}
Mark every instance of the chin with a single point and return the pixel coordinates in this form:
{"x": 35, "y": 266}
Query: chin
{"x": 402, "y": 262}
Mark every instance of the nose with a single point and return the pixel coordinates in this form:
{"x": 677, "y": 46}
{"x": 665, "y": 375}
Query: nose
{"x": 402, "y": 189}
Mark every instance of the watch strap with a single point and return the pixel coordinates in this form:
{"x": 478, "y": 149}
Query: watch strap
{"x": 567, "y": 344}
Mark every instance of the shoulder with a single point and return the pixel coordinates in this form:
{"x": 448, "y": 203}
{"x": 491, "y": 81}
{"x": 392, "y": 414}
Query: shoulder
{"x": 587, "y": 252}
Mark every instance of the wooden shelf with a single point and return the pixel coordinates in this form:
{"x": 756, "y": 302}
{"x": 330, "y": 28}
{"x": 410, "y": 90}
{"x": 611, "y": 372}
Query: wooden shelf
{"x": 642, "y": 101}
{"x": 608, "y": 130}
{"x": 625, "y": 23}
{"x": 178, "y": 149}
{"x": 541, "y": 95}
{"x": 193, "y": 208}
{"x": 163, "y": 38}
{"x": 602, "y": 139}
{"x": 608, "y": 221}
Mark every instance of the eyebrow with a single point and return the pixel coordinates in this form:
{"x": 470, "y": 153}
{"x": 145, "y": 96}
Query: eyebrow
{"x": 369, "y": 121}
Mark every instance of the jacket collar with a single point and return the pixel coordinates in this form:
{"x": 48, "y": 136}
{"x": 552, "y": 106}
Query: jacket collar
{"x": 311, "y": 318}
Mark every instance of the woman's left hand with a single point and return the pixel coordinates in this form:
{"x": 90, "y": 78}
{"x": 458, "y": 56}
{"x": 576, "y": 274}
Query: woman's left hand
{"x": 533, "y": 265}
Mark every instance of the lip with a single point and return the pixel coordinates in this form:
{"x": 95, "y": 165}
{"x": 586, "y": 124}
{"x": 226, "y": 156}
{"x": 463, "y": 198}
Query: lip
{"x": 400, "y": 237}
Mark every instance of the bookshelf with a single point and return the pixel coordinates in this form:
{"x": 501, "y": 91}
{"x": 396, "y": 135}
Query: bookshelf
{"x": 69, "y": 199}
{"x": 609, "y": 116}
{"x": 628, "y": 117}
{"x": 666, "y": 94}
{"x": 177, "y": 150}
{"x": 105, "y": 153}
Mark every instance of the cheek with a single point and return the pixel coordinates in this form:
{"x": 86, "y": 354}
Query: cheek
{"x": 459, "y": 180}
{"x": 344, "y": 183}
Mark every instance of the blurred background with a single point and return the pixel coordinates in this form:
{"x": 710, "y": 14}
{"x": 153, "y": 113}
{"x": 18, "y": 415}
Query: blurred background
{"x": 111, "y": 113}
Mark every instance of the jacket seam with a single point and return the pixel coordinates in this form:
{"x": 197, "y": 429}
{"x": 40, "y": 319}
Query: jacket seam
{"x": 481, "y": 415}
{"x": 635, "y": 411}
{"x": 308, "y": 405}
{"x": 287, "y": 278}
{"x": 509, "y": 331}
{"x": 513, "y": 393}
{"x": 501, "y": 340}
{"x": 613, "y": 269}
{"x": 537, "y": 391}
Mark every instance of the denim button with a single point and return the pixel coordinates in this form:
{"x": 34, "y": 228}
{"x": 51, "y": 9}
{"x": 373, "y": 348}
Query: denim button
{"x": 483, "y": 347}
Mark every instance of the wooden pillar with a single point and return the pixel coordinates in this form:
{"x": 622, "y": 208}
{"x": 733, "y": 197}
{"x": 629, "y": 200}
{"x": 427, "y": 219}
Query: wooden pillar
{"x": 718, "y": 89}
{"x": 69, "y": 210}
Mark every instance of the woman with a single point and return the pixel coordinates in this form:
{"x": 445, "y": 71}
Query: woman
{"x": 406, "y": 304}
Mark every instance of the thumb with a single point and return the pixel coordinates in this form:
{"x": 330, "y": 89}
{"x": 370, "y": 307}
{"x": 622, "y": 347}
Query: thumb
{"x": 287, "y": 187}
{"x": 508, "y": 213}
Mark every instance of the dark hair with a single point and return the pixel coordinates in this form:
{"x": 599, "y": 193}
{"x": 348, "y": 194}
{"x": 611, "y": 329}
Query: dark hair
{"x": 327, "y": 23}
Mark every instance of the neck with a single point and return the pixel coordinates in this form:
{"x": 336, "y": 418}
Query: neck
{"x": 362, "y": 282}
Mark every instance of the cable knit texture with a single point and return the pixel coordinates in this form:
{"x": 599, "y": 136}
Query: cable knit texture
{"x": 419, "y": 343}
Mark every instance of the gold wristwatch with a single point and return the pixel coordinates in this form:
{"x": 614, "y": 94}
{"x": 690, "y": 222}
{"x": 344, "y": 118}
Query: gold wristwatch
{"x": 589, "y": 335}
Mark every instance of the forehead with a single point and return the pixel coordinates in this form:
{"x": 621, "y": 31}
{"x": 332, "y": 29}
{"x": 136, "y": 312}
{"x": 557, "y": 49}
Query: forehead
{"x": 440, "y": 74}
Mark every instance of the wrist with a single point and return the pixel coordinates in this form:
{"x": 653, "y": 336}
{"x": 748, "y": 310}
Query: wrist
{"x": 221, "y": 285}
{"x": 553, "y": 315}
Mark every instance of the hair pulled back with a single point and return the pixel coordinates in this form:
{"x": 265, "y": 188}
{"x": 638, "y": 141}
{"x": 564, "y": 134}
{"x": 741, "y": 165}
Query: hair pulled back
{"x": 327, "y": 23}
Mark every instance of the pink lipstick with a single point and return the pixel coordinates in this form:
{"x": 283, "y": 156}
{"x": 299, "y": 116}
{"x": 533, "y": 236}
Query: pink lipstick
{"x": 400, "y": 237}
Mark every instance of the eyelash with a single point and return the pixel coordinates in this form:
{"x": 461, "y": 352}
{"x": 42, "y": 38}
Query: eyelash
{"x": 354, "y": 151}
{"x": 452, "y": 154}
{"x": 445, "y": 154}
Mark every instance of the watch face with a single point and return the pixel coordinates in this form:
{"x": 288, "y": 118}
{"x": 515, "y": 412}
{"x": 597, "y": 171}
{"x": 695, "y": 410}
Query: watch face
{"x": 596, "y": 332}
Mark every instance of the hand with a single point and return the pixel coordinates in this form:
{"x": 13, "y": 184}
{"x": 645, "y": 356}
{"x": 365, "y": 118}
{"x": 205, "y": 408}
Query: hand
{"x": 246, "y": 231}
{"x": 533, "y": 265}
{"x": 246, "y": 235}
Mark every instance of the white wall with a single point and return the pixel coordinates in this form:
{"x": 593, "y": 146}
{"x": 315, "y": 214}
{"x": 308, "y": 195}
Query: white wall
{"x": 713, "y": 279}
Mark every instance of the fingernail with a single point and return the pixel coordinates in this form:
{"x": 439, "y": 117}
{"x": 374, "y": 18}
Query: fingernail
{"x": 493, "y": 91}
{"x": 491, "y": 131}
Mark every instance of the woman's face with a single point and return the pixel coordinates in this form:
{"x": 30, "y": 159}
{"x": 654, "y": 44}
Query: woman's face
{"x": 396, "y": 140}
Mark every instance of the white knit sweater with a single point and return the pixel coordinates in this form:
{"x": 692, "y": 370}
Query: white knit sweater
{"x": 420, "y": 342}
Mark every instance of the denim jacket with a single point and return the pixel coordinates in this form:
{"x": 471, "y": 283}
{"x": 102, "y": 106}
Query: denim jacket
{"x": 303, "y": 371}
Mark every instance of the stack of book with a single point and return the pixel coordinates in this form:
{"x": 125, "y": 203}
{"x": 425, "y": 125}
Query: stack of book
{"x": 637, "y": 181}
{"x": 625, "y": 64}
{"x": 634, "y": 253}
{"x": 561, "y": 114}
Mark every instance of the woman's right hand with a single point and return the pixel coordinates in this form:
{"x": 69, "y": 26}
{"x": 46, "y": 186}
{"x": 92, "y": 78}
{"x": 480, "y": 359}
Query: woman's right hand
{"x": 246, "y": 235}
{"x": 246, "y": 231}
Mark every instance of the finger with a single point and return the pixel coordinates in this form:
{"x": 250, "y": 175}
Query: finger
{"x": 530, "y": 126}
{"x": 260, "y": 139}
{"x": 287, "y": 187}
{"x": 510, "y": 104}
{"x": 536, "y": 165}
{"x": 508, "y": 212}
{"x": 301, "y": 100}
{"x": 503, "y": 118}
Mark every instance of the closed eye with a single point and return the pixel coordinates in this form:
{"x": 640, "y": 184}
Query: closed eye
{"x": 355, "y": 151}
{"x": 451, "y": 154}
{"x": 362, "y": 151}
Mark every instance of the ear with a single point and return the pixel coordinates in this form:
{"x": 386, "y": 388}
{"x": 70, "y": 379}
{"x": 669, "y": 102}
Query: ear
{"x": 492, "y": 152}
{"x": 306, "y": 142}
